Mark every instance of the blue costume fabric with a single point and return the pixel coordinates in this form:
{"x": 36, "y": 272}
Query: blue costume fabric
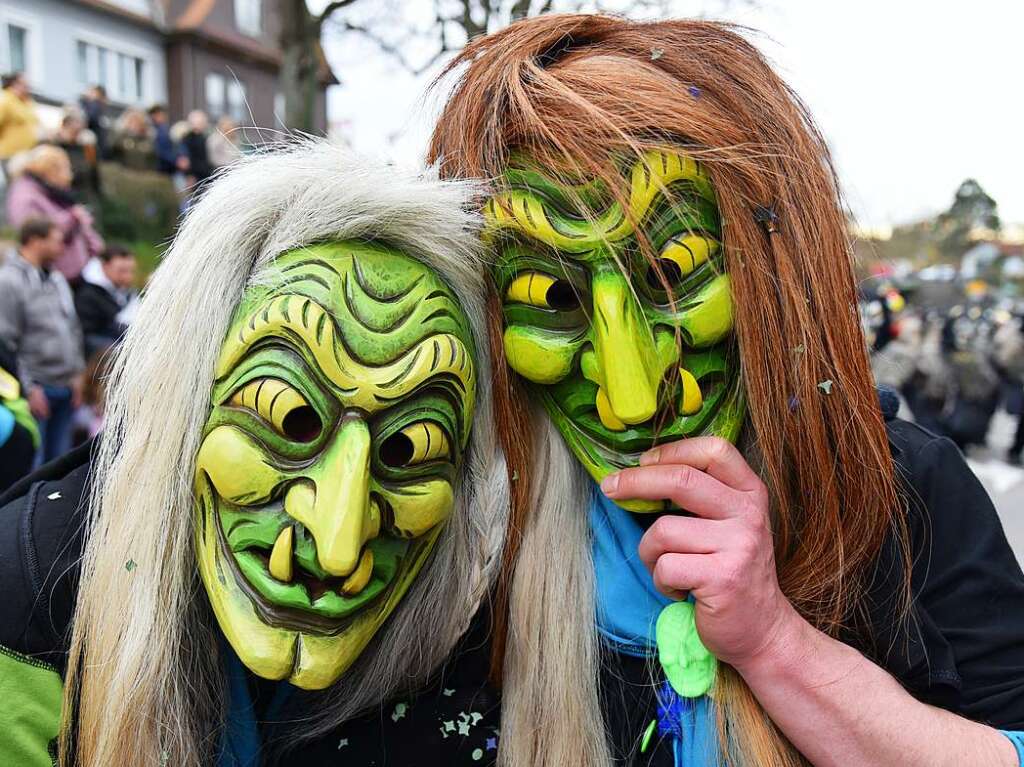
{"x": 241, "y": 745}
{"x": 6, "y": 424}
{"x": 628, "y": 605}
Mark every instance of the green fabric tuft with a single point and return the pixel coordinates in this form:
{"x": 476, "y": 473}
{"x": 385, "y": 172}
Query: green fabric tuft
{"x": 31, "y": 692}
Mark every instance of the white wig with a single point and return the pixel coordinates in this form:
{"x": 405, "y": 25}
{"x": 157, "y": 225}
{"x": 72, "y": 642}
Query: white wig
{"x": 144, "y": 686}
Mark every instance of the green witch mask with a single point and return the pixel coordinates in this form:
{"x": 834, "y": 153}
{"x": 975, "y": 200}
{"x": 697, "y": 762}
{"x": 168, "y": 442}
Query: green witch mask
{"x": 625, "y": 353}
{"x": 342, "y": 404}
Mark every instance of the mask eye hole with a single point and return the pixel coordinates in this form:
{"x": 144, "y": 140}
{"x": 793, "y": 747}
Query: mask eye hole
{"x": 670, "y": 273}
{"x": 680, "y": 258}
{"x": 415, "y": 444}
{"x": 282, "y": 407}
{"x": 544, "y": 291}
{"x": 302, "y": 424}
{"x": 396, "y": 451}
{"x": 561, "y": 295}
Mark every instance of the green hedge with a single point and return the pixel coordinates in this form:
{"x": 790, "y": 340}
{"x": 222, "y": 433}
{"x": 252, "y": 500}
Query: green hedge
{"x": 137, "y": 205}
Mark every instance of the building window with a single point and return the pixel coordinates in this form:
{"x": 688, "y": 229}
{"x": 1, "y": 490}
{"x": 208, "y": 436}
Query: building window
{"x": 83, "y": 62}
{"x": 121, "y": 74}
{"x": 131, "y": 73}
{"x": 17, "y": 48}
{"x": 249, "y": 16}
{"x": 216, "y": 98}
{"x": 237, "y": 106}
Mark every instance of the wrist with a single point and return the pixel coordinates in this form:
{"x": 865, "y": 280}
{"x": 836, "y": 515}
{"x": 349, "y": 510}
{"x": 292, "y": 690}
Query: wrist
{"x": 785, "y": 648}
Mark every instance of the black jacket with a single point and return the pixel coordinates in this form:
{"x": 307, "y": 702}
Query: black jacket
{"x": 962, "y": 647}
{"x": 97, "y": 310}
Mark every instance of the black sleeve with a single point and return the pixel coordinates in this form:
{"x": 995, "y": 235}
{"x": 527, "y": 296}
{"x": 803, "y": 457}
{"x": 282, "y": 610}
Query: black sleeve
{"x": 966, "y": 629}
{"x": 93, "y": 311}
{"x": 41, "y": 542}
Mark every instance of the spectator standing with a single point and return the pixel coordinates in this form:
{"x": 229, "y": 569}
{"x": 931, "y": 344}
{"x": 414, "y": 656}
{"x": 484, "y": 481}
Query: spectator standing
{"x": 195, "y": 147}
{"x": 94, "y": 107}
{"x": 42, "y": 189}
{"x": 38, "y": 324}
{"x": 170, "y": 158}
{"x": 134, "y": 146}
{"x": 106, "y": 298}
{"x": 223, "y": 146}
{"x": 81, "y": 146}
{"x": 19, "y": 123}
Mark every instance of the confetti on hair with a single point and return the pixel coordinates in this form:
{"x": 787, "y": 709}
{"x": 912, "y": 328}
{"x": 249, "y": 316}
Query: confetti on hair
{"x": 826, "y": 386}
{"x": 130, "y": 565}
{"x": 694, "y": 91}
{"x": 766, "y": 216}
{"x": 657, "y": 53}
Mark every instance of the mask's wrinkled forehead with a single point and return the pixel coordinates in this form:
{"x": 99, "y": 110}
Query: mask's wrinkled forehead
{"x": 377, "y": 326}
{"x": 577, "y": 217}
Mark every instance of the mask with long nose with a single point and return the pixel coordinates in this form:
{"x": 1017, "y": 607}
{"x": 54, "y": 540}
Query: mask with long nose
{"x": 342, "y": 404}
{"x": 625, "y": 350}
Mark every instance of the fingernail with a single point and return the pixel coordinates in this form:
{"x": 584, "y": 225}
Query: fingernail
{"x": 651, "y": 456}
{"x": 610, "y": 484}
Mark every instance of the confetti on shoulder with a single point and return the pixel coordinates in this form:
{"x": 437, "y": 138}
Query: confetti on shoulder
{"x": 130, "y": 565}
{"x": 54, "y": 496}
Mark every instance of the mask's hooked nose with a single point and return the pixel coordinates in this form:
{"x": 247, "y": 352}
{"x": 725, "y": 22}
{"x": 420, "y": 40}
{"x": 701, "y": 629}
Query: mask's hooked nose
{"x": 625, "y": 354}
{"x": 334, "y": 502}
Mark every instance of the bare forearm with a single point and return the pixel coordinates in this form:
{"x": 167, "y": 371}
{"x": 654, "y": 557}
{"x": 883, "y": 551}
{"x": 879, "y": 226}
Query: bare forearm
{"x": 838, "y": 708}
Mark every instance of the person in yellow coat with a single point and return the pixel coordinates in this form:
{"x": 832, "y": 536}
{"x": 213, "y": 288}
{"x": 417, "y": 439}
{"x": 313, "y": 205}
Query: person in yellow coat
{"x": 19, "y": 123}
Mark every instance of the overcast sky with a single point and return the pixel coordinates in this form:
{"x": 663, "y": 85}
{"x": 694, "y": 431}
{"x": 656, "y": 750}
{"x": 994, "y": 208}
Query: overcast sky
{"x": 914, "y": 96}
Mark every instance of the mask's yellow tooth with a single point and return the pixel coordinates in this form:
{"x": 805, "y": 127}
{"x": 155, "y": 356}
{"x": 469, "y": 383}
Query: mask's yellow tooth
{"x": 604, "y": 411}
{"x": 281, "y": 556}
{"x": 374, "y": 524}
{"x": 692, "y": 400}
{"x": 357, "y": 581}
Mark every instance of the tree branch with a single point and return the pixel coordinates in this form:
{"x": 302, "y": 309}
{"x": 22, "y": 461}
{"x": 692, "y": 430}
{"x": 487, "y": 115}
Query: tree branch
{"x": 520, "y": 10}
{"x": 472, "y": 28}
{"x": 334, "y": 5}
{"x": 394, "y": 50}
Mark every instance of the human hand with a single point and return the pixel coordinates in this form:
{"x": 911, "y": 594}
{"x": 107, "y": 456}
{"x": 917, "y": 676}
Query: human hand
{"x": 723, "y": 554}
{"x": 82, "y": 215}
{"x": 38, "y": 404}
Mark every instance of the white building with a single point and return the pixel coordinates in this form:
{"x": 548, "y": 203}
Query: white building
{"x": 64, "y": 46}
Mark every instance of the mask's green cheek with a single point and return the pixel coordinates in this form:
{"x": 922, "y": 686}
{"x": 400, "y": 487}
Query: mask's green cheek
{"x": 419, "y": 508}
{"x": 709, "y": 318}
{"x": 538, "y": 355}
{"x": 237, "y": 467}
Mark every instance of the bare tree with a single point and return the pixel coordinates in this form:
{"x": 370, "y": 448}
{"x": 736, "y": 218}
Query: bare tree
{"x": 418, "y": 35}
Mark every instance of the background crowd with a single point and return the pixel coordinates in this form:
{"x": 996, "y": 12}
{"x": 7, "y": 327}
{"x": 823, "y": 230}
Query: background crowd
{"x": 67, "y": 291}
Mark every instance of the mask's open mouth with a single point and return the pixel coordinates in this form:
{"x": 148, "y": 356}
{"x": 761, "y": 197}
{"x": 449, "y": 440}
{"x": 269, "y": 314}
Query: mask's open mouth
{"x": 263, "y": 544}
{"x": 578, "y": 403}
{"x": 283, "y": 566}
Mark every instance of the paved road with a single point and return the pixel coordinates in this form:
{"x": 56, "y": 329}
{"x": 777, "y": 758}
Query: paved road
{"x": 1005, "y": 483}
